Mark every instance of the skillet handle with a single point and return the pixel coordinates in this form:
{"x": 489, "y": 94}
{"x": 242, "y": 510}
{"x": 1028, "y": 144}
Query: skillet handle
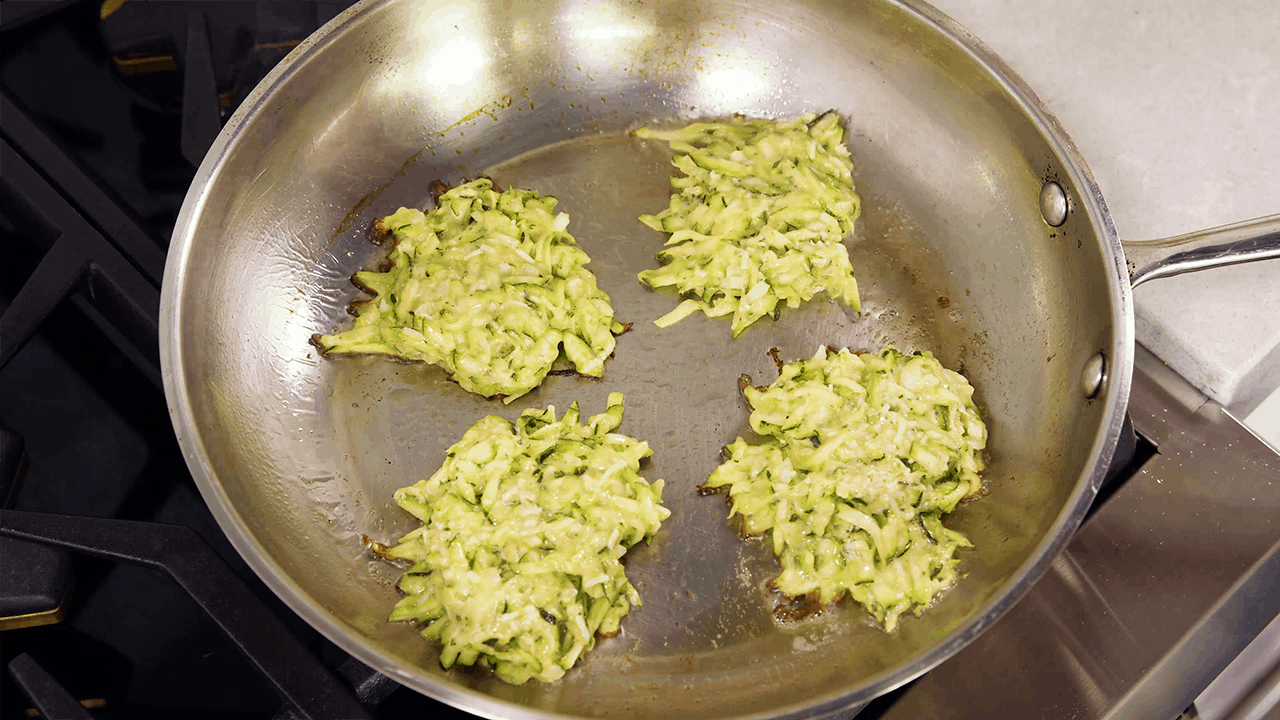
{"x": 1257, "y": 239}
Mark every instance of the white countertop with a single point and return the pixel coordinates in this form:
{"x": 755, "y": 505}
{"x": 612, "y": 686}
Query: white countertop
{"x": 1176, "y": 108}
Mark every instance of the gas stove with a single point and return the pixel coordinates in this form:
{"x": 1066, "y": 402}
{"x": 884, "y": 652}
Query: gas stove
{"x": 131, "y": 603}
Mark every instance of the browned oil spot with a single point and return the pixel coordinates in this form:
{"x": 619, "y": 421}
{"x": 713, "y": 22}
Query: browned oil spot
{"x": 315, "y": 340}
{"x": 773, "y": 353}
{"x": 376, "y": 548}
{"x": 794, "y": 609}
{"x": 379, "y": 230}
{"x": 944, "y": 301}
{"x": 438, "y": 188}
{"x": 566, "y": 372}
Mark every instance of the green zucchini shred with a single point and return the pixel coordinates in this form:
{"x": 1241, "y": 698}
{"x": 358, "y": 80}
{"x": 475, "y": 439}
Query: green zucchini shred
{"x": 757, "y": 218}
{"x": 488, "y": 285}
{"x": 517, "y": 562}
{"x": 862, "y": 456}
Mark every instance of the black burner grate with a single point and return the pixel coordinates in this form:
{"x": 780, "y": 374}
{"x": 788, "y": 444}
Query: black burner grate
{"x": 79, "y": 289}
{"x": 124, "y": 289}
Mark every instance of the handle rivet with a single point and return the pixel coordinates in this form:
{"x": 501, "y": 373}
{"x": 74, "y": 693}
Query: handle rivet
{"x": 1095, "y": 373}
{"x": 1053, "y": 204}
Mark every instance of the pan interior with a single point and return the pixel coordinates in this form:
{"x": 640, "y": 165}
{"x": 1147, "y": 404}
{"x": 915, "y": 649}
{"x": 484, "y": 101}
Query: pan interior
{"x": 299, "y": 455}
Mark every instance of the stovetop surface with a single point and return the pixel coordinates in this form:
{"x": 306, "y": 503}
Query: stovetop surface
{"x": 1166, "y": 582}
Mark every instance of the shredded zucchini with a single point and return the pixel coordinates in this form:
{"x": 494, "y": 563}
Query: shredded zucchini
{"x": 489, "y": 285}
{"x": 757, "y": 219}
{"x": 516, "y": 565}
{"x": 862, "y": 456}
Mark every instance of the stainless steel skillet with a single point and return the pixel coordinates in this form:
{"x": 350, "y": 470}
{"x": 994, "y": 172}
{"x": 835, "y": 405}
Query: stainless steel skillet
{"x": 297, "y": 456}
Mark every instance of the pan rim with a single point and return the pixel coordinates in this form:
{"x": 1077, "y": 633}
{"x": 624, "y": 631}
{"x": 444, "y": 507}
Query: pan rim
{"x": 1116, "y": 394}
